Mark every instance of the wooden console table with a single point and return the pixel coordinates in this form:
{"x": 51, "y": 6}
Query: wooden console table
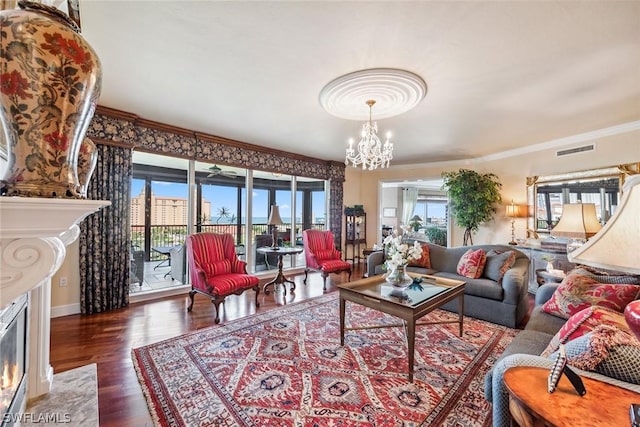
{"x": 531, "y": 405}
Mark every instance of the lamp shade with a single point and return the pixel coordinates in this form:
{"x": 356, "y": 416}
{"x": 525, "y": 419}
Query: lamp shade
{"x": 578, "y": 221}
{"x": 617, "y": 245}
{"x": 416, "y": 218}
{"x": 516, "y": 211}
{"x": 274, "y": 216}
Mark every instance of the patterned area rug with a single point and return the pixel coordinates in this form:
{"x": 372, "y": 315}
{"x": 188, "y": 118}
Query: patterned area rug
{"x": 286, "y": 367}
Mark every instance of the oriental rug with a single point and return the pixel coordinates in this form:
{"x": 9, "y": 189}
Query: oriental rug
{"x": 285, "y": 367}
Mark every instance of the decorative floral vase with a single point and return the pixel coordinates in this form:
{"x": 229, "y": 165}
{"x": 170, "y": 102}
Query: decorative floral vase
{"x": 87, "y": 159}
{"x": 51, "y": 81}
{"x": 398, "y": 277}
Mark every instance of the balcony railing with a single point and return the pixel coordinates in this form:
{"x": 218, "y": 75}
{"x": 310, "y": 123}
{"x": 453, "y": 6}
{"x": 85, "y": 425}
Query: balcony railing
{"x": 171, "y": 235}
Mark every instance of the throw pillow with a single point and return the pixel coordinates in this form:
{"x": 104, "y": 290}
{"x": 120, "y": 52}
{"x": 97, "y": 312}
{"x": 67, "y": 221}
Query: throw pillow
{"x": 472, "y": 263}
{"x": 607, "y": 350}
{"x": 584, "y": 322}
{"x": 603, "y": 277}
{"x": 577, "y": 292}
{"x": 498, "y": 262}
{"x": 325, "y": 254}
{"x": 218, "y": 267}
{"x": 425, "y": 259}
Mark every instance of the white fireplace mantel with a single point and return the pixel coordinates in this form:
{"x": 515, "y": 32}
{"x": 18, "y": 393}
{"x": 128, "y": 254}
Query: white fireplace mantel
{"x": 34, "y": 233}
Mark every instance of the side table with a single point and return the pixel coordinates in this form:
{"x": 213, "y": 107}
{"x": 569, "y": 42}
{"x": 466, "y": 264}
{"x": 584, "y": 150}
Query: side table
{"x": 531, "y": 404}
{"x": 280, "y": 278}
{"x": 543, "y": 276}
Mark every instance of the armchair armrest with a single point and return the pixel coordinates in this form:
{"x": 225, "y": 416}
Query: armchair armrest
{"x": 239, "y": 266}
{"x": 544, "y": 292}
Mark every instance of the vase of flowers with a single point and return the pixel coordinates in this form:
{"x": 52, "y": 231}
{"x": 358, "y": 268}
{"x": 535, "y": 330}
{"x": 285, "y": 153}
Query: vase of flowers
{"x": 399, "y": 254}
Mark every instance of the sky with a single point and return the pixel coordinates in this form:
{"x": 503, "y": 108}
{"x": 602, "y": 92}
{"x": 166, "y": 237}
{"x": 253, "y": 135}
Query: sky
{"x": 221, "y": 196}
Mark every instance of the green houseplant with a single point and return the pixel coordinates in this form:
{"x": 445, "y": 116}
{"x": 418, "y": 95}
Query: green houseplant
{"x": 436, "y": 235}
{"x": 473, "y": 198}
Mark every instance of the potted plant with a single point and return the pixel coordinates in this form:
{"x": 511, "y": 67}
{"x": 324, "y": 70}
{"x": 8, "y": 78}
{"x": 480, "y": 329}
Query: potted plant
{"x": 437, "y": 236}
{"x": 473, "y": 198}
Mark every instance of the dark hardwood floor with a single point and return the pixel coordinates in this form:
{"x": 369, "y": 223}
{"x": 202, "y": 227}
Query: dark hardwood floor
{"x": 108, "y": 338}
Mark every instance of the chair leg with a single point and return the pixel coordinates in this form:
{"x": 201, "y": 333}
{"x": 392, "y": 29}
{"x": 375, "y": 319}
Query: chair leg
{"x": 216, "y": 303}
{"x": 324, "y": 281}
{"x": 306, "y": 272}
{"x": 191, "y": 294}
{"x": 257, "y": 290}
{"x": 349, "y": 279}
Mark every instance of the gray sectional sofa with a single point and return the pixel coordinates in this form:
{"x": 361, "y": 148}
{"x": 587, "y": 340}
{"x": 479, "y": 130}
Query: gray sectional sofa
{"x": 505, "y": 303}
{"x": 525, "y": 349}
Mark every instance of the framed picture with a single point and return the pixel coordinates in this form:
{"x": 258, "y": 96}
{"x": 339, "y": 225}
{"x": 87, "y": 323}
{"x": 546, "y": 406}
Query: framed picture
{"x": 389, "y": 212}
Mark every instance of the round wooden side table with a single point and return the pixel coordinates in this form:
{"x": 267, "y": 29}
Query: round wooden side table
{"x": 531, "y": 404}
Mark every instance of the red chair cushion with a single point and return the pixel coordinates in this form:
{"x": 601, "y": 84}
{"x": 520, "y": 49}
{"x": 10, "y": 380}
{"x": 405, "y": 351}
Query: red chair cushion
{"x": 226, "y": 284}
{"x": 332, "y": 266}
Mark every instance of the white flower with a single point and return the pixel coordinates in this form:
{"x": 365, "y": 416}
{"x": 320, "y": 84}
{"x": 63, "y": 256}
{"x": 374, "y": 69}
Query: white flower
{"x": 400, "y": 253}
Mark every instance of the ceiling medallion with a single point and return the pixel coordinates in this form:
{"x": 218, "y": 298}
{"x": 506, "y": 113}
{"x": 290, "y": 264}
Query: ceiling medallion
{"x": 395, "y": 91}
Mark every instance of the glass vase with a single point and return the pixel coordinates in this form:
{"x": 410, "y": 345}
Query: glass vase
{"x": 398, "y": 277}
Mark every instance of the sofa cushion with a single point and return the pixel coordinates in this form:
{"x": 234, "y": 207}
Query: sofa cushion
{"x": 584, "y": 322}
{"x": 607, "y": 350}
{"x": 485, "y": 288}
{"x": 471, "y": 264}
{"x": 577, "y": 292}
{"x": 425, "y": 259}
{"x": 497, "y": 263}
{"x": 544, "y": 322}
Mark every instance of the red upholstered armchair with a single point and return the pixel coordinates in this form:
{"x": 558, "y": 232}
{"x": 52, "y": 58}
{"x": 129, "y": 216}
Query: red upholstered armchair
{"x": 321, "y": 255}
{"x": 216, "y": 270}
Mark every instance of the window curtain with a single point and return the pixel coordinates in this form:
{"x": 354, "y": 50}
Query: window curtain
{"x": 105, "y": 235}
{"x": 409, "y": 202}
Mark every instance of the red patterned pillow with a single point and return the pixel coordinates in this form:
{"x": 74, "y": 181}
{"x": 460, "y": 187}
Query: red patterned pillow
{"x": 472, "y": 263}
{"x": 577, "y": 292}
{"x": 583, "y": 322}
{"x": 425, "y": 259}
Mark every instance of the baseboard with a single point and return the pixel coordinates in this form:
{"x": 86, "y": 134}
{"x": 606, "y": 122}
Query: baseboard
{"x": 65, "y": 310}
{"x": 168, "y": 292}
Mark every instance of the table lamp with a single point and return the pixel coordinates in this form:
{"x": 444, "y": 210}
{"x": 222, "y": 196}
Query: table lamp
{"x": 617, "y": 245}
{"x": 415, "y": 222}
{"x": 514, "y": 211}
{"x": 274, "y": 221}
{"x": 578, "y": 222}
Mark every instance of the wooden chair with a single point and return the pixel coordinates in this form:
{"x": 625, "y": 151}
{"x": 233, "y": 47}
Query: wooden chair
{"x": 321, "y": 255}
{"x": 215, "y": 269}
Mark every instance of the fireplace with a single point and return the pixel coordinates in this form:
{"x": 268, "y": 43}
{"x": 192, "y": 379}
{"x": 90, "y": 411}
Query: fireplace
{"x": 13, "y": 360}
{"x": 31, "y": 251}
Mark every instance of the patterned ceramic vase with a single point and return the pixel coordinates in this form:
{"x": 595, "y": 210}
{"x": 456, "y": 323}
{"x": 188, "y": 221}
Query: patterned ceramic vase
{"x": 50, "y": 84}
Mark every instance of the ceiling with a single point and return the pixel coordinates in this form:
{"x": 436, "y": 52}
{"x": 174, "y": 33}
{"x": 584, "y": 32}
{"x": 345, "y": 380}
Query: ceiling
{"x": 500, "y": 75}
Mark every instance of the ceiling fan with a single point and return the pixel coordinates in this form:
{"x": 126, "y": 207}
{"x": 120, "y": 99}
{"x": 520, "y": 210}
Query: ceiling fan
{"x": 217, "y": 171}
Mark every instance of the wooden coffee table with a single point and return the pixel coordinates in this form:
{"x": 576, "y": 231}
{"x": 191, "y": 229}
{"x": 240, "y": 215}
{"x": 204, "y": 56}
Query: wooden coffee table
{"x": 376, "y": 293}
